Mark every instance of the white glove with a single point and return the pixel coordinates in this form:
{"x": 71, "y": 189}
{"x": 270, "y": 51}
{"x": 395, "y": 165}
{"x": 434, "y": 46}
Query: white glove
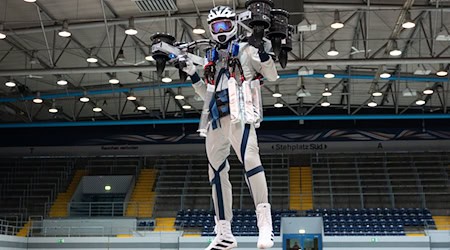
{"x": 190, "y": 68}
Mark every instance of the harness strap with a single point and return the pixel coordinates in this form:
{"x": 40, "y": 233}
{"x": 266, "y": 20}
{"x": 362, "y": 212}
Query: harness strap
{"x": 218, "y": 186}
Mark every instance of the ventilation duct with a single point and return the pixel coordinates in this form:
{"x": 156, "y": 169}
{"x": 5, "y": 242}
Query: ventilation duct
{"x": 155, "y": 5}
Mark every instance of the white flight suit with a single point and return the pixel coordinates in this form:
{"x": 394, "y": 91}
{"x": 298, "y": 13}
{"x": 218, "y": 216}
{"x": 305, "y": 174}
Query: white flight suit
{"x": 242, "y": 137}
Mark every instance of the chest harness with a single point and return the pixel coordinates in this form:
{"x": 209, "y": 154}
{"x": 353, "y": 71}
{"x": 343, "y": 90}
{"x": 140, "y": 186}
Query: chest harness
{"x": 241, "y": 100}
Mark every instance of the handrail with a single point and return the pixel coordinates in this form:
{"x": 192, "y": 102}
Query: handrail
{"x": 112, "y": 209}
{"x": 39, "y": 230}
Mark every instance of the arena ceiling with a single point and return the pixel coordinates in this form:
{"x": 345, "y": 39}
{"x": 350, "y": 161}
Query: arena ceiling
{"x": 35, "y": 57}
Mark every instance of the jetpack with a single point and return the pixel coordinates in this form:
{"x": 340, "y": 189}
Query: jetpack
{"x": 166, "y": 50}
{"x": 262, "y": 24}
{"x": 268, "y": 24}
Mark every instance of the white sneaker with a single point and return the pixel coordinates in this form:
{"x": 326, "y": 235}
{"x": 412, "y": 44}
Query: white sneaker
{"x": 264, "y": 216}
{"x": 224, "y": 238}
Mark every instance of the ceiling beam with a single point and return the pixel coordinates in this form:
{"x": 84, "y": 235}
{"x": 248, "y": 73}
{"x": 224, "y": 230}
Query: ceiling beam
{"x": 193, "y": 15}
{"x": 368, "y": 99}
{"x": 196, "y": 120}
{"x": 291, "y": 65}
{"x": 322, "y": 97}
{"x": 6, "y": 54}
{"x": 329, "y": 36}
{"x": 282, "y": 100}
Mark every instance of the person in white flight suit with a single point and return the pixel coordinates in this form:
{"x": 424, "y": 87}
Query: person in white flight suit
{"x": 223, "y": 130}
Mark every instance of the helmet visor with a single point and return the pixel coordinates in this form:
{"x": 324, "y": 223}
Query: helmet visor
{"x": 221, "y": 26}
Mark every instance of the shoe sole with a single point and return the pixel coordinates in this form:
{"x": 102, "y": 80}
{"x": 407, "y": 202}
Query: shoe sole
{"x": 264, "y": 246}
{"x": 229, "y": 247}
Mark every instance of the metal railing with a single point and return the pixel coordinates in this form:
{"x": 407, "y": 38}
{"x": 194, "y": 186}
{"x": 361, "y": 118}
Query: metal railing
{"x": 106, "y": 209}
{"x": 8, "y": 227}
{"x": 38, "y": 229}
{"x": 93, "y": 209}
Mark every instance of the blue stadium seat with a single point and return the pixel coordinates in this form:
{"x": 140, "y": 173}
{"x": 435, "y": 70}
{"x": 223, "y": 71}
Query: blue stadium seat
{"x": 341, "y": 221}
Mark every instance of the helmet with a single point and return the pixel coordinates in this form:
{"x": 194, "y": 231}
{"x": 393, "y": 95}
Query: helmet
{"x": 222, "y": 24}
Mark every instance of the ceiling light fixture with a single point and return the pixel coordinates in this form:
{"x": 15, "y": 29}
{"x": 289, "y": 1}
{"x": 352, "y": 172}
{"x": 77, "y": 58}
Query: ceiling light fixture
{"x": 395, "y": 51}
{"x": 114, "y": 79}
{"x": 384, "y": 73}
{"x": 329, "y": 74}
{"x": 167, "y": 78}
{"x": 420, "y": 102}
{"x": 376, "y": 90}
{"x": 428, "y": 91}
{"x": 325, "y": 102}
{"x": 277, "y": 93}
{"x": 2, "y": 32}
{"x": 131, "y": 30}
{"x": 37, "y": 99}
{"x": 372, "y": 103}
{"x": 29, "y": 1}
{"x": 409, "y": 23}
{"x": 131, "y": 97}
{"x": 121, "y": 55}
{"x": 278, "y": 104}
{"x": 326, "y": 92}
{"x": 140, "y": 77}
{"x": 97, "y": 109}
{"x": 333, "y": 51}
{"x": 84, "y": 98}
{"x": 91, "y": 58}
{"x": 442, "y": 71}
{"x": 179, "y": 96}
{"x": 34, "y": 60}
{"x": 61, "y": 81}
{"x": 199, "y": 29}
{"x": 10, "y": 84}
{"x": 65, "y": 30}
{"x": 53, "y": 109}
{"x": 186, "y": 106}
{"x": 141, "y": 107}
{"x": 337, "y": 24}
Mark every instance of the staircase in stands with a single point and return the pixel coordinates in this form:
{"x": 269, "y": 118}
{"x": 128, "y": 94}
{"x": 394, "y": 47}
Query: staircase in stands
{"x": 143, "y": 198}
{"x": 166, "y": 224}
{"x": 442, "y": 222}
{"x": 300, "y": 186}
{"x": 59, "y": 207}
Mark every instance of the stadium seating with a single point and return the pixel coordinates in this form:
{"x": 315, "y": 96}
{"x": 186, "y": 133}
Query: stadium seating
{"x": 29, "y": 185}
{"x": 243, "y": 224}
{"x": 371, "y": 221}
{"x": 183, "y": 183}
{"x": 381, "y": 180}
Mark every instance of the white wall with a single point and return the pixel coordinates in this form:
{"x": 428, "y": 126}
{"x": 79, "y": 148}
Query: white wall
{"x": 12, "y": 242}
{"x": 89, "y": 227}
{"x": 244, "y": 243}
{"x": 440, "y": 240}
{"x": 172, "y": 241}
{"x": 96, "y": 184}
{"x": 376, "y": 242}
